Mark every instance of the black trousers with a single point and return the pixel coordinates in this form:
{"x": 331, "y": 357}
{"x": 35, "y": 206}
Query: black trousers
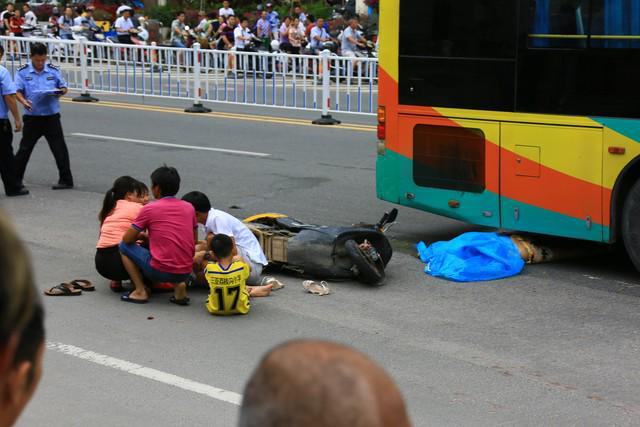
{"x": 51, "y": 128}
{"x": 7, "y": 161}
{"x": 109, "y": 264}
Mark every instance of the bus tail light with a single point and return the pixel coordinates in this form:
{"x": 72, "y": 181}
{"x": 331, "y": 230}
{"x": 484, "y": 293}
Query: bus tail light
{"x": 382, "y": 115}
{"x": 382, "y": 129}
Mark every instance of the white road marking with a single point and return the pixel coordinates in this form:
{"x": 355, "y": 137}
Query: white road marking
{"x": 149, "y": 373}
{"x": 167, "y": 144}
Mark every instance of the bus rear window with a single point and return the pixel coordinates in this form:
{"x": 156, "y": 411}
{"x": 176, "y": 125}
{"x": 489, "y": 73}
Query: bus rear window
{"x": 449, "y": 157}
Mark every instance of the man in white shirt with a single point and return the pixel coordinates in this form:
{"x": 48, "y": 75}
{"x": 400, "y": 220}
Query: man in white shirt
{"x": 30, "y": 18}
{"x": 124, "y": 27}
{"x": 225, "y": 11}
{"x": 219, "y": 222}
{"x": 351, "y": 40}
{"x": 203, "y": 25}
{"x": 242, "y": 36}
{"x": 318, "y": 36}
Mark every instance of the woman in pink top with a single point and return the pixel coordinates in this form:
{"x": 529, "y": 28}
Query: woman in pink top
{"x": 121, "y": 206}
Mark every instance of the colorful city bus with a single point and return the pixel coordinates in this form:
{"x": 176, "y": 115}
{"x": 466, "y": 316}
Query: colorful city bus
{"x": 514, "y": 114}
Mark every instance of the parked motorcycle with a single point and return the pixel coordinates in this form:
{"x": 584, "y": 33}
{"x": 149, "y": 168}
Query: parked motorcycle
{"x": 360, "y": 252}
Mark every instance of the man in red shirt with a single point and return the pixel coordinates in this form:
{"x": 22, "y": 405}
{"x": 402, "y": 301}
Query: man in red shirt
{"x": 172, "y": 229}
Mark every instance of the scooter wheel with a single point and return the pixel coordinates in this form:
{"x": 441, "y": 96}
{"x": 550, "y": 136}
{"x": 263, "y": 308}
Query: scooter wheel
{"x": 370, "y": 271}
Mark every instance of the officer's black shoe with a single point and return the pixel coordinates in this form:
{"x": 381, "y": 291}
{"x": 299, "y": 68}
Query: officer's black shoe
{"x": 62, "y": 186}
{"x": 21, "y": 192}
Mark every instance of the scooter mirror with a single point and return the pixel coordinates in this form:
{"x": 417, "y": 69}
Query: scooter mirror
{"x": 393, "y": 215}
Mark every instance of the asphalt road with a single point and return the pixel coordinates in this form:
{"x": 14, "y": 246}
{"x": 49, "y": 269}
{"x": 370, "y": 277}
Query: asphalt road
{"x": 557, "y": 345}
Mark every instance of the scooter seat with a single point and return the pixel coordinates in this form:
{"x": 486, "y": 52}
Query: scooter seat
{"x": 291, "y": 224}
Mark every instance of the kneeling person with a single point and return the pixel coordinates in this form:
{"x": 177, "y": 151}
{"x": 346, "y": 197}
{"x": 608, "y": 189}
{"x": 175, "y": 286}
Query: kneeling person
{"x": 173, "y": 230}
{"x": 219, "y": 222}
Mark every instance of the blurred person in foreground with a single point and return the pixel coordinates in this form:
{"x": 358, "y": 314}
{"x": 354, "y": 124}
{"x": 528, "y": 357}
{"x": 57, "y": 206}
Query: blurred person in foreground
{"x": 21, "y": 327}
{"x": 339, "y": 388}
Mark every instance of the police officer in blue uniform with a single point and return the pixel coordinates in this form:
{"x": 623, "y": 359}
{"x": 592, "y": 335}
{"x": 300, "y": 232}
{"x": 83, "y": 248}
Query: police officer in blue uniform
{"x": 12, "y": 185}
{"x": 39, "y": 87}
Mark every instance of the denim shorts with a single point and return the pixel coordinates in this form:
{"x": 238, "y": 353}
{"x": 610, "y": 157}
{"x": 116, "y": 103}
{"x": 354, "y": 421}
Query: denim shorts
{"x": 142, "y": 258}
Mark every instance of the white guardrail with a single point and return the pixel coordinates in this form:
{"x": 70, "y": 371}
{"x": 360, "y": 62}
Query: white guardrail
{"x": 325, "y": 83}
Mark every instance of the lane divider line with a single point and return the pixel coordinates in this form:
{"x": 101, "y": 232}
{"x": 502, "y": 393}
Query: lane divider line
{"x": 149, "y": 373}
{"x": 264, "y": 119}
{"x": 167, "y": 144}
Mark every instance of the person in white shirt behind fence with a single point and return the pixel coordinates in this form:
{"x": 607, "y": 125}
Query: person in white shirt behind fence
{"x": 225, "y": 10}
{"x": 318, "y": 36}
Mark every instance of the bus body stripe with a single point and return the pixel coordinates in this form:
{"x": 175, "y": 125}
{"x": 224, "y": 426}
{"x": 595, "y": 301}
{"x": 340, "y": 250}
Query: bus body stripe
{"x": 533, "y": 216}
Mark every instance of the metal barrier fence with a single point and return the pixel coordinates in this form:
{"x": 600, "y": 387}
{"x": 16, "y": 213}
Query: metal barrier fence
{"x": 327, "y": 83}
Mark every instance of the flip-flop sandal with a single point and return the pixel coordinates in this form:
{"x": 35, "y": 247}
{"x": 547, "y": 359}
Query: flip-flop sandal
{"x": 183, "y": 301}
{"x": 127, "y": 298}
{"x": 316, "y": 288}
{"x": 63, "y": 290}
{"x": 275, "y": 283}
{"x": 83, "y": 285}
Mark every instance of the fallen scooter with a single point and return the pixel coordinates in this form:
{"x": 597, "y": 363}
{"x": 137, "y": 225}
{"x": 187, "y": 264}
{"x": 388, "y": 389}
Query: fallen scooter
{"x": 360, "y": 252}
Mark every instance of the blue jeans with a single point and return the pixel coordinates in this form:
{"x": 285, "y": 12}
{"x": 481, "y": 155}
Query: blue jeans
{"x": 142, "y": 258}
{"x": 177, "y": 43}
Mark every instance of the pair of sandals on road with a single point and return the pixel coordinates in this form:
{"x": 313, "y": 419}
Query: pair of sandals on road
{"x": 77, "y": 286}
{"x": 70, "y": 289}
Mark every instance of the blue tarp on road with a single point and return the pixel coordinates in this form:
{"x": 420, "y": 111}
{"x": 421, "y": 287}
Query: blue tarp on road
{"x": 472, "y": 257}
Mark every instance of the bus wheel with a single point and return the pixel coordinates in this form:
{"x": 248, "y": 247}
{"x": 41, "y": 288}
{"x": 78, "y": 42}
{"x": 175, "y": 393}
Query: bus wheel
{"x": 631, "y": 224}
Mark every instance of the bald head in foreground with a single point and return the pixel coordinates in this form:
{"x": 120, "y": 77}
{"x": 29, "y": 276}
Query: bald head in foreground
{"x": 317, "y": 384}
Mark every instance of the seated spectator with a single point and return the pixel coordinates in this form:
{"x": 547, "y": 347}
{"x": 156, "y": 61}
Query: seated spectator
{"x": 352, "y": 40}
{"x": 320, "y": 384}
{"x": 125, "y": 27}
{"x": 227, "y": 34}
{"x": 225, "y": 10}
{"x": 220, "y": 222}
{"x": 121, "y": 206}
{"x": 242, "y": 37}
{"x": 296, "y": 36}
{"x": 65, "y": 22}
{"x": 318, "y": 36}
{"x": 203, "y": 23}
{"x": 53, "y": 25}
{"x": 21, "y": 331}
{"x": 227, "y": 278}
{"x": 283, "y": 35}
{"x": 172, "y": 229}
{"x": 227, "y": 41}
{"x": 263, "y": 27}
{"x": 178, "y": 31}
{"x": 15, "y": 23}
{"x": 30, "y": 19}
{"x": 4, "y": 18}
{"x": 274, "y": 19}
{"x": 299, "y": 13}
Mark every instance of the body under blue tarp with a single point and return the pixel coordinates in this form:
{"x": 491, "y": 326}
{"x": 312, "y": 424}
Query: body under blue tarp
{"x": 472, "y": 257}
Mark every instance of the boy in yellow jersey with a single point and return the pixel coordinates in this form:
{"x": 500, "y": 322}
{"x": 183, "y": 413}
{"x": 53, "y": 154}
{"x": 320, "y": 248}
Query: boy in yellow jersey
{"x": 227, "y": 277}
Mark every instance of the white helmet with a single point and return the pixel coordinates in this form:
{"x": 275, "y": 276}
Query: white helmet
{"x": 275, "y": 45}
{"x": 122, "y": 8}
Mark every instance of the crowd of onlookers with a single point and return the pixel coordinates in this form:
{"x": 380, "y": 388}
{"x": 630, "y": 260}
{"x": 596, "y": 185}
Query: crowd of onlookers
{"x": 223, "y": 29}
{"x": 295, "y": 33}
